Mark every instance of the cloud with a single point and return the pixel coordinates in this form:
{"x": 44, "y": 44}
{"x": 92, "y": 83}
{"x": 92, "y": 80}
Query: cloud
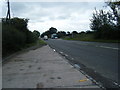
{"x": 65, "y": 16}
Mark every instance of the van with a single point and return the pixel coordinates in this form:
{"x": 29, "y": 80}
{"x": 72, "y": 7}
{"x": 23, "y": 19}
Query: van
{"x": 45, "y": 37}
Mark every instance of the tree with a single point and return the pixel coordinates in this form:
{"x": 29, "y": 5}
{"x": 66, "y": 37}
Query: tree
{"x": 53, "y": 30}
{"x": 31, "y": 37}
{"x": 68, "y": 33}
{"x": 74, "y": 32}
{"x": 82, "y": 32}
{"x": 15, "y": 35}
{"x": 61, "y": 34}
{"x": 88, "y": 32}
{"x": 101, "y": 18}
{"x": 42, "y": 35}
{"x": 49, "y": 32}
{"x": 37, "y": 33}
{"x": 19, "y": 23}
{"x": 115, "y": 7}
{"x": 106, "y": 24}
{"x": 102, "y": 23}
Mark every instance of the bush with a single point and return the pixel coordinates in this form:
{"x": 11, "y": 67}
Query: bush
{"x": 31, "y": 37}
{"x": 15, "y": 35}
{"x": 12, "y": 39}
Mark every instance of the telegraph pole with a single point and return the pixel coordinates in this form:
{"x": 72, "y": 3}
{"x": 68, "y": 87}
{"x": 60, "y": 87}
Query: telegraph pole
{"x": 8, "y": 12}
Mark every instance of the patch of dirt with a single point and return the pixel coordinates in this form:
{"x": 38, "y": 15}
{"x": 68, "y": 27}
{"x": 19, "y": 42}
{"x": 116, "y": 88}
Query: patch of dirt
{"x": 21, "y": 69}
{"x": 40, "y": 85}
{"x": 52, "y": 78}
{"x": 59, "y": 78}
{"x": 39, "y": 68}
{"x": 30, "y": 66}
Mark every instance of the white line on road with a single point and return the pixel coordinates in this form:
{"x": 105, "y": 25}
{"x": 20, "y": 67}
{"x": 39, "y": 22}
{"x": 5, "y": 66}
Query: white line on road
{"x": 66, "y": 55}
{"x": 108, "y": 47}
{"x": 72, "y": 58}
{"x": 61, "y": 52}
{"x": 54, "y": 50}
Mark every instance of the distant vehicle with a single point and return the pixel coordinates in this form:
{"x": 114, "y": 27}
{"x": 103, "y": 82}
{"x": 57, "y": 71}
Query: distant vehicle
{"x": 54, "y": 36}
{"x": 45, "y": 37}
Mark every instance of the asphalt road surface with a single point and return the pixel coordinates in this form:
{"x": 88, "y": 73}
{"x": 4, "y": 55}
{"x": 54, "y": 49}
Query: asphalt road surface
{"x": 100, "y": 57}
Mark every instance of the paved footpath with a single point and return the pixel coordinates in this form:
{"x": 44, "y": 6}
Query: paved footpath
{"x": 42, "y": 68}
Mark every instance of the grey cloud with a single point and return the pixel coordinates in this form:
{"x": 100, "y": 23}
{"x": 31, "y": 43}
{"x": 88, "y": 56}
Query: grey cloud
{"x": 18, "y": 8}
{"x": 47, "y": 11}
{"x": 62, "y": 17}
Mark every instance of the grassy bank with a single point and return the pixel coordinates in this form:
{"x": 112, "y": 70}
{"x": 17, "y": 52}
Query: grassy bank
{"x": 90, "y": 38}
{"x": 35, "y": 45}
{"x": 39, "y": 42}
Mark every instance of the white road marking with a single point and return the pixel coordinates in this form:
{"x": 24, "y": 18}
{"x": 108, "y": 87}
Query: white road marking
{"x": 72, "y": 58}
{"x": 108, "y": 47}
{"x": 115, "y": 83}
{"x": 54, "y": 50}
{"x": 66, "y": 55}
{"x": 77, "y": 66}
{"x": 61, "y": 52}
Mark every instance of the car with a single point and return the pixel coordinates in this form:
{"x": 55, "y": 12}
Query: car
{"x": 45, "y": 37}
{"x": 56, "y": 37}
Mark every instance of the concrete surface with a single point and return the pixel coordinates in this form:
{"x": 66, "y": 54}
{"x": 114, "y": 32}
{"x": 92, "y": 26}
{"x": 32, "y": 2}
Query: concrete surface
{"x": 42, "y": 68}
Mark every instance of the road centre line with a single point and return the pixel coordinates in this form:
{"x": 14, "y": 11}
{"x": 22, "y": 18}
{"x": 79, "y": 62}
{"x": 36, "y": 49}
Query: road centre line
{"x": 108, "y": 47}
{"x": 103, "y": 47}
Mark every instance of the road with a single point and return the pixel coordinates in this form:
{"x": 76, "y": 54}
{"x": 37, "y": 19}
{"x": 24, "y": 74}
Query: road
{"x": 100, "y": 57}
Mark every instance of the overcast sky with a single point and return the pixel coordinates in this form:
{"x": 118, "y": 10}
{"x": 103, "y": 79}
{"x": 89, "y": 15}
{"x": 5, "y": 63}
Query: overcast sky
{"x": 65, "y": 16}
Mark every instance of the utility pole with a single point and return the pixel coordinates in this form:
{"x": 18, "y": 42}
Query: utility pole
{"x": 8, "y": 12}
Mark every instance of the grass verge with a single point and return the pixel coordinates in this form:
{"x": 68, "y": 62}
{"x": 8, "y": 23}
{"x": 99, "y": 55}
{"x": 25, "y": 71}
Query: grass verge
{"x": 37, "y": 44}
{"x": 90, "y": 38}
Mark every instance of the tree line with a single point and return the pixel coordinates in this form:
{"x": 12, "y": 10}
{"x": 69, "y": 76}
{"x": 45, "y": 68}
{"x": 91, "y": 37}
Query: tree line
{"x": 62, "y": 34}
{"x": 53, "y": 30}
{"x": 104, "y": 24}
{"x": 16, "y": 35}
